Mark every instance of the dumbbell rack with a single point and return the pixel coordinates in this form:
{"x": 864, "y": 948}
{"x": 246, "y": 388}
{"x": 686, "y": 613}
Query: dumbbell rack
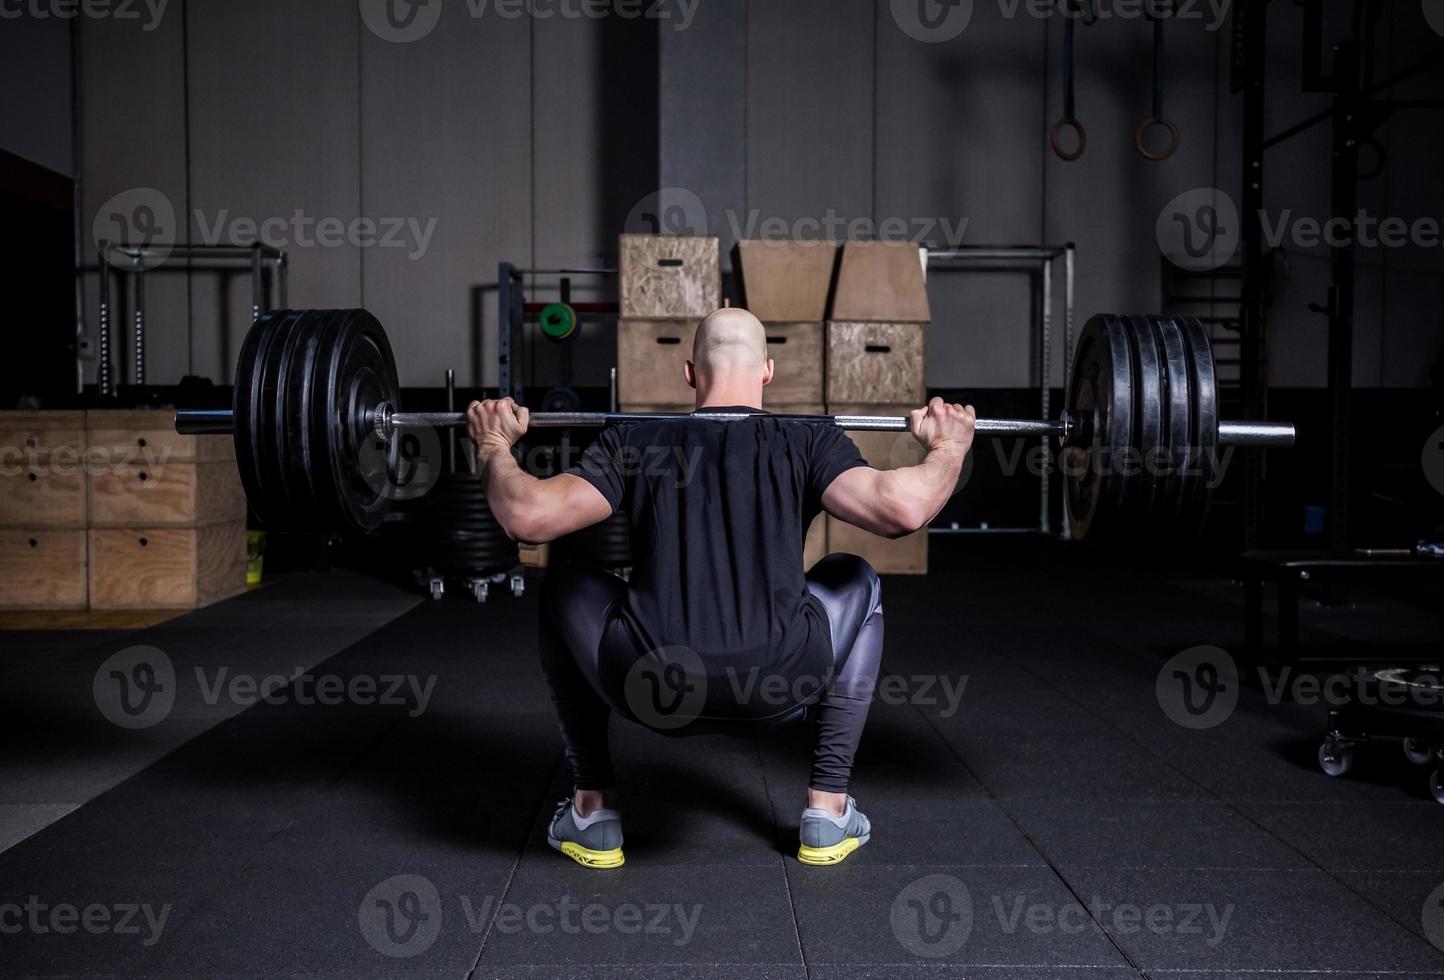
{"x": 513, "y": 310}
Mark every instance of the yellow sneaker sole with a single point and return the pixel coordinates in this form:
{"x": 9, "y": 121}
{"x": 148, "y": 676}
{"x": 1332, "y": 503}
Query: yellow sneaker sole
{"x": 828, "y": 855}
{"x": 588, "y": 858}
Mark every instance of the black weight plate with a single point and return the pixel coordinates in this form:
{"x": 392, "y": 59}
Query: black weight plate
{"x": 1178, "y": 402}
{"x": 1204, "y": 462}
{"x": 296, "y": 357}
{"x": 259, "y": 438}
{"x": 356, "y": 371}
{"x": 1144, "y": 472}
{"x": 1100, "y": 398}
{"x": 312, "y": 416}
{"x": 561, "y": 399}
{"x": 245, "y": 406}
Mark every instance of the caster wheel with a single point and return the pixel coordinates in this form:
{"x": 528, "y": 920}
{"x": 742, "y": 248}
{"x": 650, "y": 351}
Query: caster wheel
{"x": 518, "y": 585}
{"x": 1336, "y": 758}
{"x": 480, "y": 589}
{"x": 1418, "y": 751}
{"x": 438, "y": 588}
{"x": 1436, "y": 785}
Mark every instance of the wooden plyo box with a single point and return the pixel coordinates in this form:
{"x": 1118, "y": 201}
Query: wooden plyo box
{"x": 167, "y": 514}
{"x": 650, "y": 354}
{"x": 785, "y": 280}
{"x": 669, "y": 276}
{"x": 42, "y": 568}
{"x": 874, "y": 363}
{"x": 166, "y": 567}
{"x": 42, "y": 469}
{"x": 798, "y": 359}
{"x": 881, "y": 281}
{"x": 26, "y": 435}
{"x": 178, "y": 493}
{"x": 42, "y": 510}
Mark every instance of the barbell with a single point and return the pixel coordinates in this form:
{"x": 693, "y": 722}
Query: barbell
{"x": 316, "y": 414}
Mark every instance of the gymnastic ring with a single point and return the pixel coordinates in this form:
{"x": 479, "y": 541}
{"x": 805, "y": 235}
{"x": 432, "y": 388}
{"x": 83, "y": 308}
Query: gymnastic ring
{"x": 1077, "y": 127}
{"x": 1148, "y": 124}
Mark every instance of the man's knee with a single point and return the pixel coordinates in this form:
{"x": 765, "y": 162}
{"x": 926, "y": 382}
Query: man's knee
{"x": 840, "y": 571}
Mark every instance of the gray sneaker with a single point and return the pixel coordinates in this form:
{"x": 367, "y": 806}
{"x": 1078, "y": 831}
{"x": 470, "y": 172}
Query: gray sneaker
{"x": 827, "y": 839}
{"x": 593, "y": 842}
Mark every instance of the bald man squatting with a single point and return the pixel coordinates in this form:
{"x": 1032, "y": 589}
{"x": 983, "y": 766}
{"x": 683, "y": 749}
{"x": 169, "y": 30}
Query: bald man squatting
{"x": 718, "y": 617}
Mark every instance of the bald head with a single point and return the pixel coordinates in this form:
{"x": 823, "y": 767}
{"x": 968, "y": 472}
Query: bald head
{"x": 728, "y": 342}
{"x": 729, "y": 358}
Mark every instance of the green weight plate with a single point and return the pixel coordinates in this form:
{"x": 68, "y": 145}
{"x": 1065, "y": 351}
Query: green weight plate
{"x": 558, "y": 321}
{"x": 1203, "y": 468}
{"x": 1100, "y": 398}
{"x": 1177, "y": 399}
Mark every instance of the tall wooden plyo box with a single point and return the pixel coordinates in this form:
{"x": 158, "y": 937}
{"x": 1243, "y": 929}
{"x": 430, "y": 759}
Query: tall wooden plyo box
{"x": 167, "y": 514}
{"x": 42, "y": 510}
{"x": 785, "y": 284}
{"x": 877, "y": 365}
{"x": 669, "y": 283}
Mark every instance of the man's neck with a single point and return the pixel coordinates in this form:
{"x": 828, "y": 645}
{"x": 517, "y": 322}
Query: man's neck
{"x": 729, "y": 398}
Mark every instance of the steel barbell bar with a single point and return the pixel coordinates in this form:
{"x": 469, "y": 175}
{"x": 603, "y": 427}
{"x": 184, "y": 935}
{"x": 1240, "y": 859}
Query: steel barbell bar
{"x": 1264, "y": 435}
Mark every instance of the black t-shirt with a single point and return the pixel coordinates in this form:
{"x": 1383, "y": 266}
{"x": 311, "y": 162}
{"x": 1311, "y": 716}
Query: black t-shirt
{"x": 718, "y": 512}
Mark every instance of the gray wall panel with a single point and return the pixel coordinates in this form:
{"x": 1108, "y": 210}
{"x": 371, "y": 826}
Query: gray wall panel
{"x": 703, "y": 108}
{"x": 274, "y": 110}
{"x": 132, "y": 135}
{"x": 943, "y": 177}
{"x": 809, "y": 110}
{"x": 444, "y": 126}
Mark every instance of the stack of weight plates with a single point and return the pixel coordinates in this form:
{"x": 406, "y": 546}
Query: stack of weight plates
{"x": 1144, "y": 397}
{"x": 607, "y": 544}
{"x": 307, "y": 382}
{"x": 461, "y": 537}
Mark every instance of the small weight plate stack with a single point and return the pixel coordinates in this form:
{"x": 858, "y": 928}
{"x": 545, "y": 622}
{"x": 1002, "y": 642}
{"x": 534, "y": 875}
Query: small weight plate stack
{"x": 462, "y": 538}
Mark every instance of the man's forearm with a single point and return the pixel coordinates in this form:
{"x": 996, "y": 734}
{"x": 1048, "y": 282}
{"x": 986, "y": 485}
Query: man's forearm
{"x": 919, "y": 492}
{"x": 508, "y": 488}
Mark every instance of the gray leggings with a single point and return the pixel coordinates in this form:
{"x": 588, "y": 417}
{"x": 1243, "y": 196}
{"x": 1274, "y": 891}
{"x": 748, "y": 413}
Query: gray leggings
{"x": 585, "y": 647}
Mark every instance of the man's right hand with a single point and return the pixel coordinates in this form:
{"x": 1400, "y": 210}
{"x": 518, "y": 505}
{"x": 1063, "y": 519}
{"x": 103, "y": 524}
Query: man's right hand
{"x": 941, "y": 426}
